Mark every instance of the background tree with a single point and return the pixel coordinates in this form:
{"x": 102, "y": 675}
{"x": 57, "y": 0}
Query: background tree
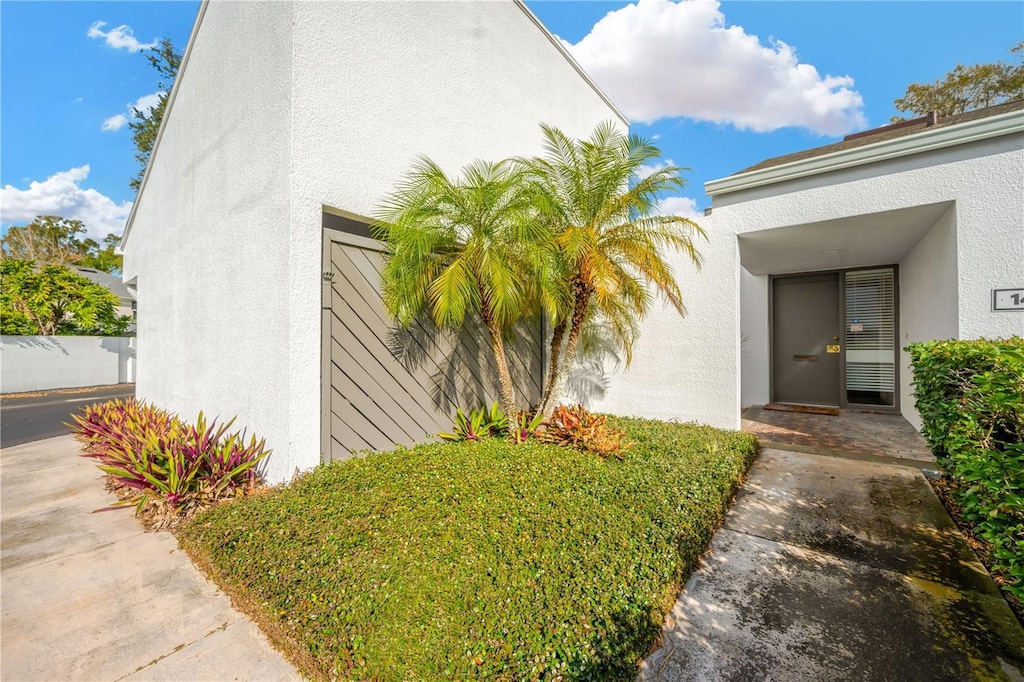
{"x": 53, "y": 300}
{"x": 612, "y": 245}
{"x": 52, "y": 240}
{"x": 166, "y": 60}
{"x": 103, "y": 257}
{"x": 464, "y": 247}
{"x": 966, "y": 88}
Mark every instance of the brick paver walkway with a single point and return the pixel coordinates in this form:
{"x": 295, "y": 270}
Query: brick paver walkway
{"x": 864, "y": 433}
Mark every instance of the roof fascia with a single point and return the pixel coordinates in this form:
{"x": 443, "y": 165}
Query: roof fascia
{"x": 947, "y": 136}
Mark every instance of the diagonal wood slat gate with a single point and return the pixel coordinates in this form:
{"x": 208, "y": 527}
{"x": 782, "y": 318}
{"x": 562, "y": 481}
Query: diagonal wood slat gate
{"x": 383, "y": 385}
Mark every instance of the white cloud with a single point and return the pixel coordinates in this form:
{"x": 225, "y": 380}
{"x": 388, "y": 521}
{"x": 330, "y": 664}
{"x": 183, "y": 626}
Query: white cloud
{"x": 143, "y": 104}
{"x": 646, "y": 169}
{"x": 115, "y": 122}
{"x": 120, "y": 38}
{"x": 660, "y": 59}
{"x": 684, "y": 207}
{"x": 147, "y": 102}
{"x": 61, "y": 194}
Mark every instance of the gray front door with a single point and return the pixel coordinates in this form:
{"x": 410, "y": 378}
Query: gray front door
{"x": 805, "y": 324}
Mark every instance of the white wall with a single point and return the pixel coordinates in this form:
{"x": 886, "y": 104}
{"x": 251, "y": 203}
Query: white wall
{"x": 754, "y": 339}
{"x": 687, "y": 368}
{"x": 929, "y": 308}
{"x": 38, "y": 363}
{"x": 209, "y": 244}
{"x": 285, "y": 108}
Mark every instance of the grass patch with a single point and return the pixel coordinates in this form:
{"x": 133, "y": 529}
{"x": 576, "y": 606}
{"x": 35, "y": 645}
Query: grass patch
{"x": 478, "y": 560}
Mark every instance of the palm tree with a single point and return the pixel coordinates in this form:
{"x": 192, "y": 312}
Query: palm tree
{"x": 466, "y": 246}
{"x": 601, "y": 207}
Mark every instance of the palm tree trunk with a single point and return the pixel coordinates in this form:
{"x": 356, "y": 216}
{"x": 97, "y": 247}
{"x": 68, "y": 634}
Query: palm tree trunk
{"x": 579, "y": 316}
{"x": 557, "y": 336}
{"x": 508, "y": 389}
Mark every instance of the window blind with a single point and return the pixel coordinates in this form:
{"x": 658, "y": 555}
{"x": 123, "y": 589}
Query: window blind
{"x": 870, "y": 330}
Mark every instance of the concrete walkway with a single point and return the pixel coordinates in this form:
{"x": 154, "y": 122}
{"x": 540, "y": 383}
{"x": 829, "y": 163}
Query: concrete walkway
{"x": 92, "y": 597}
{"x": 831, "y": 568}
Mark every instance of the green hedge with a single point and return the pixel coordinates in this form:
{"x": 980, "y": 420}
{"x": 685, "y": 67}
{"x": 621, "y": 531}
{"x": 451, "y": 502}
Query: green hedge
{"x": 970, "y": 395}
{"x": 478, "y": 560}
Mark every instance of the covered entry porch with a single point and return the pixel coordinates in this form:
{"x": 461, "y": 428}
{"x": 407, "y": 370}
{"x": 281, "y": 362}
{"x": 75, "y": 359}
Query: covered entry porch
{"x": 856, "y": 433}
{"x": 827, "y": 307}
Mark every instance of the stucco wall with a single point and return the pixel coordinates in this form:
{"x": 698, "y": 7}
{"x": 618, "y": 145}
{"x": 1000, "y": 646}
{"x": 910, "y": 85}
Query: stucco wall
{"x": 928, "y": 299}
{"x": 974, "y": 248}
{"x": 377, "y": 84}
{"x": 285, "y": 108}
{"x": 209, "y": 242}
{"x": 754, "y": 335}
{"x": 37, "y": 363}
{"x": 687, "y": 368}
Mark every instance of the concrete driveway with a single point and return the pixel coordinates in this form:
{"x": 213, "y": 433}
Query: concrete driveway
{"x": 835, "y": 569}
{"x": 92, "y": 597}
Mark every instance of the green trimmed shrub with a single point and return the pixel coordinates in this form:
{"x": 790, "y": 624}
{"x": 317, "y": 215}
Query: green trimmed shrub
{"x": 970, "y": 395}
{"x": 479, "y": 559}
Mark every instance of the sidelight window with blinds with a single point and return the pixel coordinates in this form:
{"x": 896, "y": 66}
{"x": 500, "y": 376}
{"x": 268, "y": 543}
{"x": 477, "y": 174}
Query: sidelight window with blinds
{"x": 870, "y": 336}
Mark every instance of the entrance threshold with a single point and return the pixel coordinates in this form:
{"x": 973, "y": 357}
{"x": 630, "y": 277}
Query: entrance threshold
{"x": 804, "y": 409}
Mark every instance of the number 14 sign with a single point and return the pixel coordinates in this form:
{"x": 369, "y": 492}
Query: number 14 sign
{"x": 1008, "y": 299}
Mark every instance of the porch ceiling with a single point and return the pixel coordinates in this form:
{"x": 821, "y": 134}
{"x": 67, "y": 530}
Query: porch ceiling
{"x": 858, "y": 241}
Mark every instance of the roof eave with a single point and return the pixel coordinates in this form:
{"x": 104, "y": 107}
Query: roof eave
{"x": 938, "y": 138}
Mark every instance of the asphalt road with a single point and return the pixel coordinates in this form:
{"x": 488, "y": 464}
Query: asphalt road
{"x": 42, "y": 415}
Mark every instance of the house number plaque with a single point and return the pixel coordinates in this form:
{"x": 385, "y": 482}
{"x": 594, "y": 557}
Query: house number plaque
{"x": 1007, "y": 299}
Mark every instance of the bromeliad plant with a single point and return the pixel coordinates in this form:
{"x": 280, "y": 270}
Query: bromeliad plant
{"x": 525, "y": 426}
{"x": 488, "y": 423}
{"x": 165, "y": 468}
{"x": 481, "y": 423}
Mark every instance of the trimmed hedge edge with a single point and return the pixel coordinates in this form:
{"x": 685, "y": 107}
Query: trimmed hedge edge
{"x": 970, "y": 395}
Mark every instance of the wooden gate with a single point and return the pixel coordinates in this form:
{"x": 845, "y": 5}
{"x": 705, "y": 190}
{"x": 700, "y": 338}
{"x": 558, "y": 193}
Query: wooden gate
{"x": 385, "y": 386}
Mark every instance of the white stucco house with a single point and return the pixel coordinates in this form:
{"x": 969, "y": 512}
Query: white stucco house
{"x": 257, "y": 276}
{"x": 247, "y": 245}
{"x": 822, "y": 265}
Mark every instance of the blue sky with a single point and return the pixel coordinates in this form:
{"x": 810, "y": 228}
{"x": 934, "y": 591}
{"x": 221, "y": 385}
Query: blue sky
{"x": 720, "y": 86}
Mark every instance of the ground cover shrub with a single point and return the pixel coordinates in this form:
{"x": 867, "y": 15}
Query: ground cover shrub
{"x": 970, "y": 395}
{"x": 478, "y": 559}
{"x": 164, "y": 467}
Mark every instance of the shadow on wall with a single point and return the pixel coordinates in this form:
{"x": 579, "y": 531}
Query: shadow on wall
{"x": 459, "y": 367}
{"x": 596, "y": 360}
{"x": 48, "y": 343}
{"x": 34, "y": 363}
{"x": 117, "y": 344}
